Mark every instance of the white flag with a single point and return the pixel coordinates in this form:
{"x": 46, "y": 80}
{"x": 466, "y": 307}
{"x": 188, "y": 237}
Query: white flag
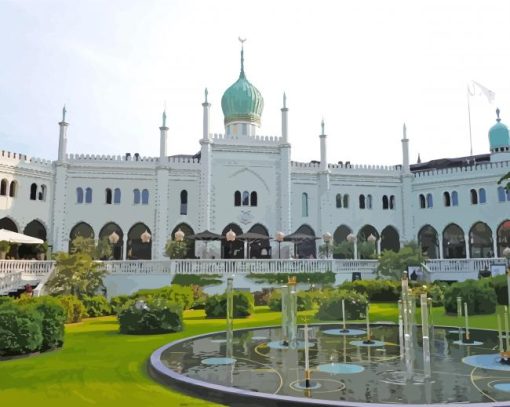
{"x": 482, "y": 90}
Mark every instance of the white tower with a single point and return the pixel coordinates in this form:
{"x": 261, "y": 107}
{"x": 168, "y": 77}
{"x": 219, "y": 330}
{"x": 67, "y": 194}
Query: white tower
{"x": 163, "y": 138}
{"x": 62, "y": 140}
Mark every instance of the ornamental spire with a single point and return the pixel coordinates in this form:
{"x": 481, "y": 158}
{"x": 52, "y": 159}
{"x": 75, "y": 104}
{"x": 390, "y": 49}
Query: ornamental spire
{"x": 164, "y": 117}
{"x": 64, "y": 111}
{"x": 242, "y": 41}
{"x": 497, "y": 114}
{"x": 322, "y": 126}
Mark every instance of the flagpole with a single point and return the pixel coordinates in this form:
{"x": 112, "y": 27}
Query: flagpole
{"x": 469, "y": 120}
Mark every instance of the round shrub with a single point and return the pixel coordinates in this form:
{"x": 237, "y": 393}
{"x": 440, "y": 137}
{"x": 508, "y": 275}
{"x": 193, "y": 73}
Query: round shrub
{"x": 434, "y": 291}
{"x": 375, "y": 290}
{"x": 20, "y": 330}
{"x": 501, "y": 288}
{"x": 331, "y": 308}
{"x": 116, "y": 303}
{"x": 479, "y": 296}
{"x": 75, "y": 310}
{"x": 182, "y": 295}
{"x": 153, "y": 316}
{"x": 304, "y": 301}
{"x": 216, "y": 305}
{"x": 96, "y": 306}
{"x": 53, "y": 316}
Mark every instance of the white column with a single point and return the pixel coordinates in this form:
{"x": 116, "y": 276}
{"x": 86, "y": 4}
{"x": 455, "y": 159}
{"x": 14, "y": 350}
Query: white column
{"x": 408, "y": 201}
{"x": 405, "y": 152}
{"x": 206, "y": 105}
{"x": 163, "y": 139}
{"x": 160, "y": 232}
{"x": 324, "y": 152}
{"x": 441, "y": 254}
{"x": 284, "y": 120}
{"x": 495, "y": 243}
{"x": 284, "y": 183}
{"x": 62, "y": 139}
{"x": 466, "y": 242}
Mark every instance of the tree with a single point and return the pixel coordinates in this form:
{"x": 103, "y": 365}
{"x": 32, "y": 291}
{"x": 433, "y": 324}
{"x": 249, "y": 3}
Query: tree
{"x": 76, "y": 274}
{"x": 103, "y": 249}
{"x": 392, "y": 264}
{"x": 175, "y": 249}
{"x": 343, "y": 250}
{"x": 86, "y": 245}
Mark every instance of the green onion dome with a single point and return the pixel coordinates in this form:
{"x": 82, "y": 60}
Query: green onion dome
{"x": 499, "y": 135}
{"x": 242, "y": 102}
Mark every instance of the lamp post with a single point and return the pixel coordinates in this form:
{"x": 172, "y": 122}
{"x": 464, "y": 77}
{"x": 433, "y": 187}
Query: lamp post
{"x": 279, "y": 238}
{"x": 145, "y": 237}
{"x": 231, "y": 237}
{"x": 327, "y": 239}
{"x": 114, "y": 238}
{"x": 352, "y": 238}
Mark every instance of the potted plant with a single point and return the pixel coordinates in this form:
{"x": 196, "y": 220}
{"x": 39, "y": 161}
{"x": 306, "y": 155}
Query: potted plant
{"x": 41, "y": 250}
{"x": 4, "y": 248}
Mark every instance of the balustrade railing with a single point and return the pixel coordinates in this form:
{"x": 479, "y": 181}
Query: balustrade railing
{"x": 462, "y": 265}
{"x": 32, "y": 267}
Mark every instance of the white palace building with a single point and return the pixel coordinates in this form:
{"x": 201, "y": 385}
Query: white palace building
{"x": 240, "y": 181}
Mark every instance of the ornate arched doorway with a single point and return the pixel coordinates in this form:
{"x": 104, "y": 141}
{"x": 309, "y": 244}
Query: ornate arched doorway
{"x": 235, "y": 249}
{"x": 366, "y": 248}
{"x": 35, "y": 229}
{"x": 139, "y": 243}
{"x": 188, "y": 231}
{"x": 8, "y": 224}
{"x": 480, "y": 241}
{"x": 306, "y": 249}
{"x": 503, "y": 237}
{"x": 428, "y": 241}
{"x": 80, "y": 229}
{"x": 454, "y": 244}
{"x": 114, "y": 236}
{"x": 260, "y": 249}
{"x": 390, "y": 239}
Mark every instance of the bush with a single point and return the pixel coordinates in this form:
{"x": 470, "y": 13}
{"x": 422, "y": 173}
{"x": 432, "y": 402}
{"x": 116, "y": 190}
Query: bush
{"x": 375, "y": 290}
{"x": 97, "y": 306}
{"x": 328, "y": 277}
{"x": 197, "y": 279}
{"x": 262, "y": 297}
{"x": 499, "y": 283}
{"x": 118, "y": 302}
{"x": 331, "y": 308}
{"x": 53, "y": 316}
{"x": 155, "y": 315}
{"x": 20, "y": 330}
{"x": 5, "y": 300}
{"x": 304, "y": 301}
{"x": 75, "y": 310}
{"x": 216, "y": 305}
{"x": 479, "y": 296}
{"x": 433, "y": 291}
{"x": 182, "y": 295}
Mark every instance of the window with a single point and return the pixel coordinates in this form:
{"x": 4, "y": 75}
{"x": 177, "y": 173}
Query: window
{"x": 33, "y": 192}
{"x": 346, "y": 201}
{"x": 421, "y": 198}
{"x": 369, "y": 201}
{"x": 482, "y": 195}
{"x": 88, "y": 195}
{"x": 501, "y": 194}
{"x": 184, "y": 202}
{"x": 108, "y": 196}
{"x": 338, "y": 200}
{"x": 430, "y": 202}
{"x": 385, "y": 204}
{"x": 136, "y": 196}
{"x": 392, "y": 202}
{"x": 447, "y": 199}
{"x": 237, "y": 198}
{"x": 116, "y": 196}
{"x": 474, "y": 197}
{"x": 145, "y": 197}
{"x": 304, "y": 204}
{"x": 79, "y": 195}
{"x": 246, "y": 198}
{"x": 3, "y": 187}
{"x": 12, "y": 189}
{"x": 42, "y": 193}
{"x": 362, "y": 201}
{"x": 455, "y": 198}
{"x": 253, "y": 199}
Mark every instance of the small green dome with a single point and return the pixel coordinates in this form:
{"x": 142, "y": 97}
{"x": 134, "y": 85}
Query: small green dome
{"x": 242, "y": 101}
{"x": 499, "y": 135}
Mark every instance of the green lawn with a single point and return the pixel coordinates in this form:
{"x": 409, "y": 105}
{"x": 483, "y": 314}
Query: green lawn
{"x": 98, "y": 366}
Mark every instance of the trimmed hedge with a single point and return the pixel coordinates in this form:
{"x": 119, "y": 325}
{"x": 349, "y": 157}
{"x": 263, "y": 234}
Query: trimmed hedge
{"x": 478, "y": 294}
{"x": 375, "y": 290}
{"x": 179, "y": 294}
{"x": 153, "y": 316}
{"x": 53, "y": 319}
{"x": 304, "y": 301}
{"x": 118, "y": 302}
{"x": 216, "y": 305}
{"x": 74, "y": 308}
{"x": 327, "y": 277}
{"x": 97, "y": 306}
{"x": 331, "y": 308}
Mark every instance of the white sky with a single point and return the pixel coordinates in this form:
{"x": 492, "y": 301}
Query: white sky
{"x": 365, "y": 66}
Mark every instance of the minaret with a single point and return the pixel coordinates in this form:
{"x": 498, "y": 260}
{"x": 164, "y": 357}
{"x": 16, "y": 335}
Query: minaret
{"x": 405, "y": 152}
{"x": 285, "y": 112}
{"x": 163, "y": 138}
{"x": 62, "y": 140}
{"x": 206, "y": 105}
{"x": 406, "y": 191}
{"x": 324, "y": 152}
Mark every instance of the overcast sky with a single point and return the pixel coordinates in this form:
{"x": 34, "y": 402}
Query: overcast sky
{"x": 366, "y": 67}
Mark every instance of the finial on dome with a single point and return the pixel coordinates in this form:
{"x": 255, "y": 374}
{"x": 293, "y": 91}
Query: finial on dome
{"x": 242, "y": 41}
{"x": 322, "y": 126}
{"x": 64, "y": 111}
{"x": 497, "y": 114}
{"x": 419, "y": 159}
{"x": 206, "y": 93}
{"x": 284, "y": 100}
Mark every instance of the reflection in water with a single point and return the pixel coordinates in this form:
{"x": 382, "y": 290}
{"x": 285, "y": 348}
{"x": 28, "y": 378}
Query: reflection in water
{"x": 343, "y": 369}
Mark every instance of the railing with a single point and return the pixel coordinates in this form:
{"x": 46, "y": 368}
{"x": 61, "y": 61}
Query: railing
{"x": 11, "y": 280}
{"x": 31, "y": 267}
{"x": 462, "y": 265}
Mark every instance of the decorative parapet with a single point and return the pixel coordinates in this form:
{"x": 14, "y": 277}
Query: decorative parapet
{"x": 348, "y": 168}
{"x": 255, "y": 140}
{"x": 505, "y": 165}
{"x": 17, "y": 158}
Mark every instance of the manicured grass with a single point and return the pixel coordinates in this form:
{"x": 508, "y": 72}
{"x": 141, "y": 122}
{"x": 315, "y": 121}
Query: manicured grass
{"x": 98, "y": 366}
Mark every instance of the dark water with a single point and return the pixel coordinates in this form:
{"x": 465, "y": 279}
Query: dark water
{"x": 261, "y": 368}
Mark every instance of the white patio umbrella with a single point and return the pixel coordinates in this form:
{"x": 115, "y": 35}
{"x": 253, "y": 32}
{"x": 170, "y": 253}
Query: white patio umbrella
{"x": 13, "y": 237}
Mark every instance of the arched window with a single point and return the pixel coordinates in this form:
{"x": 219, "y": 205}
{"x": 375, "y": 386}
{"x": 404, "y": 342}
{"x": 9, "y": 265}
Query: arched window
{"x": 88, "y": 195}
{"x": 237, "y": 198}
{"x": 246, "y": 198}
{"x": 482, "y": 195}
{"x": 501, "y": 194}
{"x": 446, "y": 199}
{"x": 80, "y": 229}
{"x": 428, "y": 241}
{"x": 3, "y": 187}
{"x": 474, "y": 197}
{"x": 369, "y": 201}
{"x": 117, "y": 246}
{"x": 145, "y": 197}
{"x": 454, "y": 245}
{"x": 392, "y": 202}
{"x": 338, "y": 200}
{"x": 33, "y": 192}
{"x": 116, "y": 196}
{"x": 108, "y": 196}
{"x": 480, "y": 241}
{"x": 184, "y": 202}
{"x": 346, "y": 200}
{"x": 42, "y": 193}
{"x": 430, "y": 201}
{"x": 304, "y": 204}
{"x": 362, "y": 201}
{"x": 12, "y": 189}
{"x": 455, "y": 198}
{"x": 385, "y": 202}
{"x": 422, "y": 201}
{"x": 79, "y": 195}
{"x": 136, "y": 196}
{"x": 253, "y": 199}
